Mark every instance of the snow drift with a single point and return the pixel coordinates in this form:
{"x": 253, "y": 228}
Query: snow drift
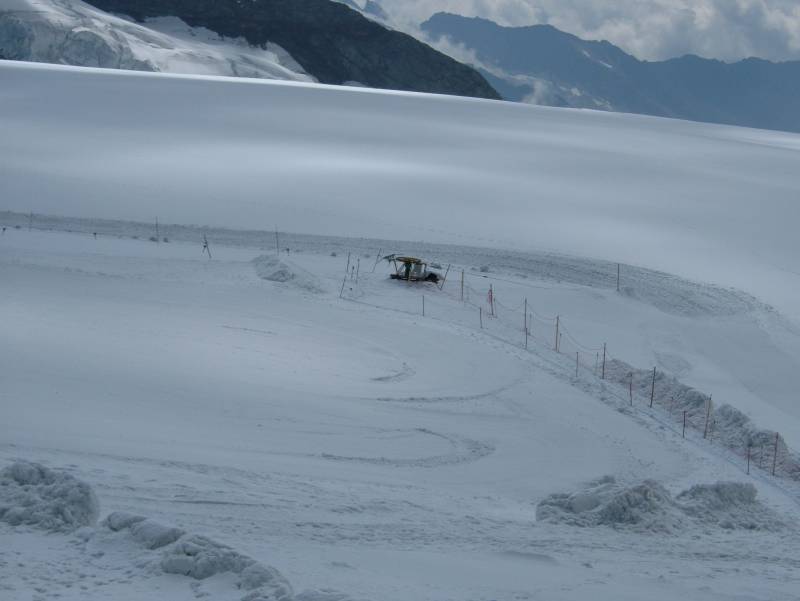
{"x": 34, "y": 495}
{"x": 200, "y": 557}
{"x": 650, "y": 507}
{"x": 274, "y": 269}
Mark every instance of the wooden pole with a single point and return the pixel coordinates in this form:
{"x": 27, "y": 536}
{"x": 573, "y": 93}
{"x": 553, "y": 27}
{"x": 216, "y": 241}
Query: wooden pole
{"x": 341, "y": 292}
{"x": 491, "y": 298}
{"x": 277, "y": 242}
{"x": 358, "y": 268}
{"x": 603, "y": 377}
{"x": 480, "y": 315}
{"x": 556, "y": 342}
{"x": 683, "y": 434}
{"x": 462, "y": 285}
{"x": 444, "y": 279}
{"x": 775, "y": 454}
{"x": 423, "y": 305}
{"x": 653, "y": 388}
{"x": 346, "y": 269}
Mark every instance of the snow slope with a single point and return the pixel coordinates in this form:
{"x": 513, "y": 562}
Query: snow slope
{"x": 359, "y": 449}
{"x": 712, "y": 203}
{"x": 74, "y": 33}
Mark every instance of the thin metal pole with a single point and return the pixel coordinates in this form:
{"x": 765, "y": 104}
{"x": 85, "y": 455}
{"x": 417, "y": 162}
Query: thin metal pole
{"x": 377, "y": 258}
{"x": 708, "y": 414}
{"x": 341, "y": 292}
{"x": 653, "y": 388}
{"x": 617, "y": 277}
{"x": 480, "y": 315}
{"x": 462, "y": 285}
{"x": 603, "y": 377}
{"x": 525, "y": 320}
{"x": 748, "y": 459}
{"x": 630, "y": 387}
{"x": 775, "y": 454}
{"x": 683, "y": 434}
{"x": 556, "y": 342}
{"x": 576, "y": 364}
{"x": 423, "y": 305}
{"x": 444, "y": 279}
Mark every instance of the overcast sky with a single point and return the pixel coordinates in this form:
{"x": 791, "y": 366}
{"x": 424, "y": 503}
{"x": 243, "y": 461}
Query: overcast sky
{"x": 648, "y": 29}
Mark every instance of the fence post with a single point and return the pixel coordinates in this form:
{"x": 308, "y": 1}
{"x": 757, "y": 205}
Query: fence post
{"x": 556, "y": 341}
{"x": 576, "y": 364}
{"x": 480, "y": 315}
{"x": 630, "y": 387}
{"x": 603, "y": 376}
{"x": 347, "y": 269}
{"x": 491, "y": 299}
{"x": 617, "y": 277}
{"x": 683, "y": 434}
{"x": 358, "y": 268}
{"x": 653, "y": 388}
{"x": 775, "y": 454}
{"x": 377, "y": 259}
{"x": 423, "y": 305}
{"x": 444, "y": 279}
{"x": 525, "y": 322}
{"x": 462, "y": 285}
{"x": 748, "y": 459}
{"x": 708, "y": 415}
{"x": 341, "y": 292}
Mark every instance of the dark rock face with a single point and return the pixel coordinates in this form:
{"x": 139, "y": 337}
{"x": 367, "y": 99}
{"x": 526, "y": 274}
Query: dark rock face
{"x": 330, "y": 41}
{"x": 574, "y": 72}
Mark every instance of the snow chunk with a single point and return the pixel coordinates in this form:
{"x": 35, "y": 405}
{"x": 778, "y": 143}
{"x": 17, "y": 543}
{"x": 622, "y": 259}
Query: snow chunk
{"x": 649, "y": 507}
{"x": 120, "y": 520}
{"x": 38, "y": 496}
{"x": 201, "y": 557}
{"x": 273, "y": 269}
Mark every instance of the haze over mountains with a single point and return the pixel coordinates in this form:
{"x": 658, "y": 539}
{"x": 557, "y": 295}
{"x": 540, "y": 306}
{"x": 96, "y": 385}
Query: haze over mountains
{"x": 542, "y": 65}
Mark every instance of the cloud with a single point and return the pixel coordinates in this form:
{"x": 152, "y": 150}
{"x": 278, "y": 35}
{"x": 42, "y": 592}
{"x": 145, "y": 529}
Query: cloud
{"x": 649, "y": 29}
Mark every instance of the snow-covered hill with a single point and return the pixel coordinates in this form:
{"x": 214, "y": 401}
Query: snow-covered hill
{"x": 72, "y": 32}
{"x": 300, "y": 427}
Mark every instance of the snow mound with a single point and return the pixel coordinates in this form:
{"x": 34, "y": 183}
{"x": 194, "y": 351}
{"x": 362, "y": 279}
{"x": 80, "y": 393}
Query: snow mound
{"x": 274, "y": 269}
{"x": 34, "y": 495}
{"x": 200, "y": 557}
{"x": 649, "y": 507}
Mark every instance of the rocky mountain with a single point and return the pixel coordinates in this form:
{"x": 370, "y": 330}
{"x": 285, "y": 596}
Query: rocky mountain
{"x": 75, "y": 33}
{"x": 542, "y": 65}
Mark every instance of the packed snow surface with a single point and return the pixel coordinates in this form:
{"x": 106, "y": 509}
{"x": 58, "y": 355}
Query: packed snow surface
{"x": 72, "y": 32}
{"x": 240, "y": 432}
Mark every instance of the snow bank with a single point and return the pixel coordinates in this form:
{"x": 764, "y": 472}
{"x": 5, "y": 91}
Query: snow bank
{"x": 649, "y": 507}
{"x": 200, "y": 557}
{"x": 34, "y": 495}
{"x": 726, "y": 424}
{"x": 273, "y": 269}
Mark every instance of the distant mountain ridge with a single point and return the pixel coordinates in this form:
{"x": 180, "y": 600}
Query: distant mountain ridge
{"x": 543, "y": 65}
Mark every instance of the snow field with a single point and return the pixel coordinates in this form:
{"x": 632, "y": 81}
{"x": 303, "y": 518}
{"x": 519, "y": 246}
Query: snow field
{"x": 350, "y": 443}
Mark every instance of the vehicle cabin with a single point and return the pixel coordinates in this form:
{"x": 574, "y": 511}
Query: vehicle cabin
{"x": 411, "y": 269}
